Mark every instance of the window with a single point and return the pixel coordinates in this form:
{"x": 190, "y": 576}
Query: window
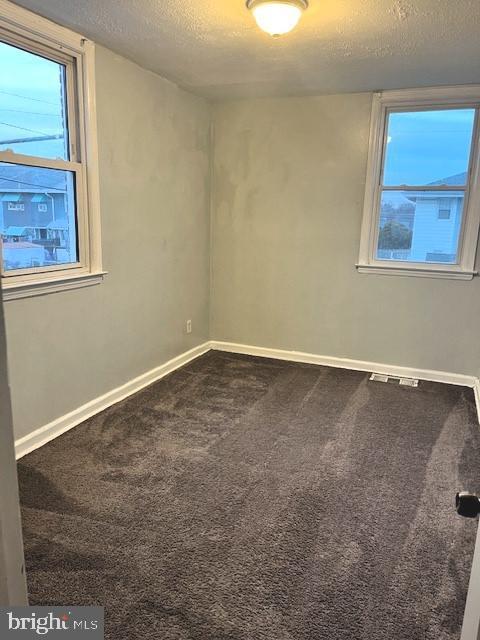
{"x": 16, "y": 206}
{"x": 422, "y": 201}
{"x": 49, "y": 227}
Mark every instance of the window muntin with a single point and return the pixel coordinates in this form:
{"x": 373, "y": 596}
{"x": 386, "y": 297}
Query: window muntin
{"x": 38, "y": 162}
{"x": 439, "y": 220}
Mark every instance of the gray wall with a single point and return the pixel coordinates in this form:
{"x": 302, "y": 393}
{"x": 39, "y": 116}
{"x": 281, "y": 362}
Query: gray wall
{"x": 287, "y": 200}
{"x": 13, "y": 588}
{"x": 68, "y": 348}
{"x": 289, "y": 180}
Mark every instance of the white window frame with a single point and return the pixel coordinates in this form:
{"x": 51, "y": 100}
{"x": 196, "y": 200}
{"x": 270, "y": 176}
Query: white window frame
{"x": 16, "y": 206}
{"x": 411, "y": 100}
{"x": 38, "y": 35}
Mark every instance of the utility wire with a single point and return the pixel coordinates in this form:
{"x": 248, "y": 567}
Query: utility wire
{"x": 16, "y": 95}
{"x": 14, "y": 126}
{"x": 33, "y": 113}
{"x": 58, "y": 136}
{"x": 32, "y": 184}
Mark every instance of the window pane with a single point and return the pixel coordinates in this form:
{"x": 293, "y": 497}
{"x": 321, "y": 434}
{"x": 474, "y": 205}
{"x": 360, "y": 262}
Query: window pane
{"x": 420, "y": 226}
{"x": 37, "y": 217}
{"x": 32, "y": 104}
{"x": 428, "y": 147}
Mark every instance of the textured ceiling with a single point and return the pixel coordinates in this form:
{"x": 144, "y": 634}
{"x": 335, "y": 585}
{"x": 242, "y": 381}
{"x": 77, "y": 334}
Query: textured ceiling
{"x": 214, "y": 48}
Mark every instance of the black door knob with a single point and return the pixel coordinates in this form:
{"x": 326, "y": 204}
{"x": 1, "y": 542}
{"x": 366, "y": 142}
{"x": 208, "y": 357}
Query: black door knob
{"x": 467, "y": 504}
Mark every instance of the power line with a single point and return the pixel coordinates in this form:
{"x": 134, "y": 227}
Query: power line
{"x": 17, "y": 95}
{"x": 33, "y": 113}
{"x": 14, "y": 126}
{"x": 32, "y": 184}
{"x": 59, "y": 136}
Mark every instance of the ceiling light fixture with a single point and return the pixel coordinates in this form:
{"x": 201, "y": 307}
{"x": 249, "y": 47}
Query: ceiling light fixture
{"x": 277, "y": 17}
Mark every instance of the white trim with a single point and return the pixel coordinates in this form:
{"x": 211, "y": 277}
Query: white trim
{"x": 55, "y": 428}
{"x": 41, "y": 436}
{"x": 375, "y": 143}
{"x": 345, "y": 363}
{"x": 78, "y": 54}
{"x": 476, "y": 390}
{"x": 38, "y": 25}
{"x": 37, "y": 161}
{"x": 420, "y": 272}
{"x": 52, "y": 285}
{"x": 419, "y": 99}
{"x": 451, "y": 94}
{"x": 91, "y": 156}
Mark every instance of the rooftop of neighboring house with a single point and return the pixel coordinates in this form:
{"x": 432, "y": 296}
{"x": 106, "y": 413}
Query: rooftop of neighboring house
{"x": 14, "y": 178}
{"x": 457, "y": 179}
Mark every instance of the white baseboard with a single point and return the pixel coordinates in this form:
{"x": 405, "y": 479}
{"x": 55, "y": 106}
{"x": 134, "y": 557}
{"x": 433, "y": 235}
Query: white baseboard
{"x": 54, "y": 429}
{"x": 345, "y": 363}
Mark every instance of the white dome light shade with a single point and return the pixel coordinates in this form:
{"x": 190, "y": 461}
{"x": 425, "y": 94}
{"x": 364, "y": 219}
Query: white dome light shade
{"x": 277, "y": 17}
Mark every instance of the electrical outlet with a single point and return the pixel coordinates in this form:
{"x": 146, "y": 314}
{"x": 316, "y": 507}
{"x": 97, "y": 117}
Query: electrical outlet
{"x": 189, "y": 326}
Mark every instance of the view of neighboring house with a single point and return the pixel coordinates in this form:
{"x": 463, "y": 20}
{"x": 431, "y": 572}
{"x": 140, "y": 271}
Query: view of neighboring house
{"x": 424, "y": 226}
{"x": 34, "y": 224}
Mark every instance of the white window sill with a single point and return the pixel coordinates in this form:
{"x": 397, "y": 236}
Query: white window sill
{"x": 418, "y": 272}
{"x": 42, "y": 287}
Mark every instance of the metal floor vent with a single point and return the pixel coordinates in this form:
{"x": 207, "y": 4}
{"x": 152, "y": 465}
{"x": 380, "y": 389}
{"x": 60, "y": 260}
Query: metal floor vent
{"x": 404, "y": 382}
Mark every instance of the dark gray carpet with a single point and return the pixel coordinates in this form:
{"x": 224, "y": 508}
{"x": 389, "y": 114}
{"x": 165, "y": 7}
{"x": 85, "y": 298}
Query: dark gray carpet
{"x": 248, "y": 499}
